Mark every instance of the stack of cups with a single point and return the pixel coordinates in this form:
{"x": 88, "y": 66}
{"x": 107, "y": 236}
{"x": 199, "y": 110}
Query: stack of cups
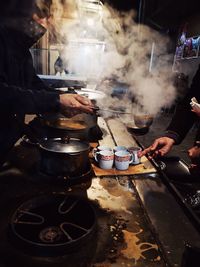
{"x": 121, "y": 157}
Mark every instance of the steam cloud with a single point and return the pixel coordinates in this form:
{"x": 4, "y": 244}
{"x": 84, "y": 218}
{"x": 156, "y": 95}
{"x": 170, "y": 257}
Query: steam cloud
{"x": 123, "y": 51}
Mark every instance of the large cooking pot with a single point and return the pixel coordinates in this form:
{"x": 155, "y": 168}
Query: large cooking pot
{"x": 66, "y": 157}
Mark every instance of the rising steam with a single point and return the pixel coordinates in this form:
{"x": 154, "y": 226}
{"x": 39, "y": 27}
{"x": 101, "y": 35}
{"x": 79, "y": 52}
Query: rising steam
{"x": 109, "y": 46}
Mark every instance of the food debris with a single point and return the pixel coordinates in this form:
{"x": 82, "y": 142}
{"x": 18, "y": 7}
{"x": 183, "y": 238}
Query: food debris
{"x": 112, "y": 228}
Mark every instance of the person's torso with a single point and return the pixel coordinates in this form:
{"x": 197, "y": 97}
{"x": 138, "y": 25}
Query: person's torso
{"x": 16, "y": 65}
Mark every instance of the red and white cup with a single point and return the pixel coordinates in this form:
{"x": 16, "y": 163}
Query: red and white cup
{"x": 122, "y": 159}
{"x": 100, "y": 148}
{"x": 105, "y": 159}
{"x": 135, "y": 150}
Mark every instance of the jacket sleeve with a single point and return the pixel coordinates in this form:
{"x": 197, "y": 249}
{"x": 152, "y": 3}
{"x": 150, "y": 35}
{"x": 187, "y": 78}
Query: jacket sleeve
{"x": 38, "y": 84}
{"x": 16, "y": 100}
{"x": 183, "y": 118}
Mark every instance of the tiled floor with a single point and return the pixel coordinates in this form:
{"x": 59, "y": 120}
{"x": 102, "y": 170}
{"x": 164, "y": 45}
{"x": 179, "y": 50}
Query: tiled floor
{"x": 157, "y": 129}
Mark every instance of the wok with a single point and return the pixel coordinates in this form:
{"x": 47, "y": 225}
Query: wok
{"x": 78, "y": 126}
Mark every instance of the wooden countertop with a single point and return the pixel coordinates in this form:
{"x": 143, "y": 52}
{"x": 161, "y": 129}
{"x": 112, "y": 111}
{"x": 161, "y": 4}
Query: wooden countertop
{"x": 167, "y": 219}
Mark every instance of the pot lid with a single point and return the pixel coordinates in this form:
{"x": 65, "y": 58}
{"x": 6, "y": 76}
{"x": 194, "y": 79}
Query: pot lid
{"x": 64, "y": 145}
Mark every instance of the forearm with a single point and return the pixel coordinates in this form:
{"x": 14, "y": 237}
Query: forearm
{"x": 182, "y": 121}
{"x": 16, "y": 100}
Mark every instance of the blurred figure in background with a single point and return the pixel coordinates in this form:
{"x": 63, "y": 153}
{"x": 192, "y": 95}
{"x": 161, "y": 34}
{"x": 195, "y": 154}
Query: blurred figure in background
{"x": 182, "y": 121}
{"x": 22, "y": 23}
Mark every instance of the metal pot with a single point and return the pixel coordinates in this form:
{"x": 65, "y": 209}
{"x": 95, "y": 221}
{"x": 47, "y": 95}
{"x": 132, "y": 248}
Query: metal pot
{"x": 67, "y": 157}
{"x": 93, "y": 95}
{"x": 76, "y": 127}
{"x": 90, "y": 120}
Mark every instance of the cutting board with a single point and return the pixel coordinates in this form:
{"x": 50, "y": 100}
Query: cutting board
{"x": 142, "y": 168}
{"x": 119, "y": 136}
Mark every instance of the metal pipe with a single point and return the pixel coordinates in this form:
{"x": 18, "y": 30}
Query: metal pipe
{"x": 151, "y": 58}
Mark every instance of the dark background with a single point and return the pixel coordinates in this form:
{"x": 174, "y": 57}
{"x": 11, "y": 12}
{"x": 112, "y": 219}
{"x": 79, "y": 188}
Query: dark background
{"x": 165, "y": 16}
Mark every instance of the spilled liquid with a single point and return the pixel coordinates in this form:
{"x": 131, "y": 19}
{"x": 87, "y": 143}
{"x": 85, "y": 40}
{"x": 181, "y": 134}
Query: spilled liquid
{"x": 110, "y": 195}
{"x": 135, "y": 248}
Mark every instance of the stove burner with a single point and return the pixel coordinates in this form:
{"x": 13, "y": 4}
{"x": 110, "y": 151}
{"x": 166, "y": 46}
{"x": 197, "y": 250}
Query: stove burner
{"x": 66, "y": 180}
{"x": 52, "y": 224}
{"x": 51, "y": 234}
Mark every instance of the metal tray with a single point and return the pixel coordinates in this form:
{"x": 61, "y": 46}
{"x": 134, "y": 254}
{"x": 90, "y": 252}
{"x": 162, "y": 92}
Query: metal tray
{"x": 178, "y": 170}
{"x": 184, "y": 186}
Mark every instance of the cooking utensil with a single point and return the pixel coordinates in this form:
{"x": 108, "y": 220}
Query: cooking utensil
{"x": 78, "y": 126}
{"x": 67, "y": 157}
{"x": 98, "y": 109}
{"x": 67, "y": 124}
{"x": 136, "y": 130}
{"x": 143, "y": 120}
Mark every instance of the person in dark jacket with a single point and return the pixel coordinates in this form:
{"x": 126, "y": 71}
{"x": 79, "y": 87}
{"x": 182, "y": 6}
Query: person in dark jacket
{"x": 182, "y": 121}
{"x": 21, "y": 90}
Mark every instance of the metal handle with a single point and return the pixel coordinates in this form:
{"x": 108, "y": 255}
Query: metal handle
{"x": 96, "y": 108}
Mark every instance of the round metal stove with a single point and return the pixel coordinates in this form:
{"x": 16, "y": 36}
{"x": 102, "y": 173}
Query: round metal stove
{"x": 52, "y": 225}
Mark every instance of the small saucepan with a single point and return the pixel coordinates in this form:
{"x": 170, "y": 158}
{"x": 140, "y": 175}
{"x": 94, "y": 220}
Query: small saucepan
{"x": 143, "y": 120}
{"x": 137, "y": 130}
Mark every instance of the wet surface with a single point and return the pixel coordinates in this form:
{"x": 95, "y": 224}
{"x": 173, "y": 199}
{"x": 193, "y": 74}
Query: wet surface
{"x": 123, "y": 236}
{"x": 131, "y": 241}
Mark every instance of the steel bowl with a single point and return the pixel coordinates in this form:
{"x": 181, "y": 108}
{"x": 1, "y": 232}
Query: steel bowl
{"x": 143, "y": 120}
{"x": 137, "y": 130}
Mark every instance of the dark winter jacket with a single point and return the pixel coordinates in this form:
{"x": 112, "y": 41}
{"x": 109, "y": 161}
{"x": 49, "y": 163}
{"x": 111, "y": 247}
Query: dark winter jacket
{"x": 183, "y": 118}
{"x": 21, "y": 91}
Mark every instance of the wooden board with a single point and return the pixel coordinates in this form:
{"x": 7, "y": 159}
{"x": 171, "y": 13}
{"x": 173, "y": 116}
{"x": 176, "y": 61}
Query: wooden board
{"x": 120, "y": 133}
{"x": 107, "y": 139}
{"x": 142, "y": 168}
{"x": 115, "y": 133}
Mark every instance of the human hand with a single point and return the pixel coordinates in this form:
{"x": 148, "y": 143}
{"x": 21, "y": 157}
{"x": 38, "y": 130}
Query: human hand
{"x": 160, "y": 147}
{"x": 194, "y": 154}
{"x": 197, "y": 111}
{"x": 195, "y": 106}
{"x": 73, "y": 104}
